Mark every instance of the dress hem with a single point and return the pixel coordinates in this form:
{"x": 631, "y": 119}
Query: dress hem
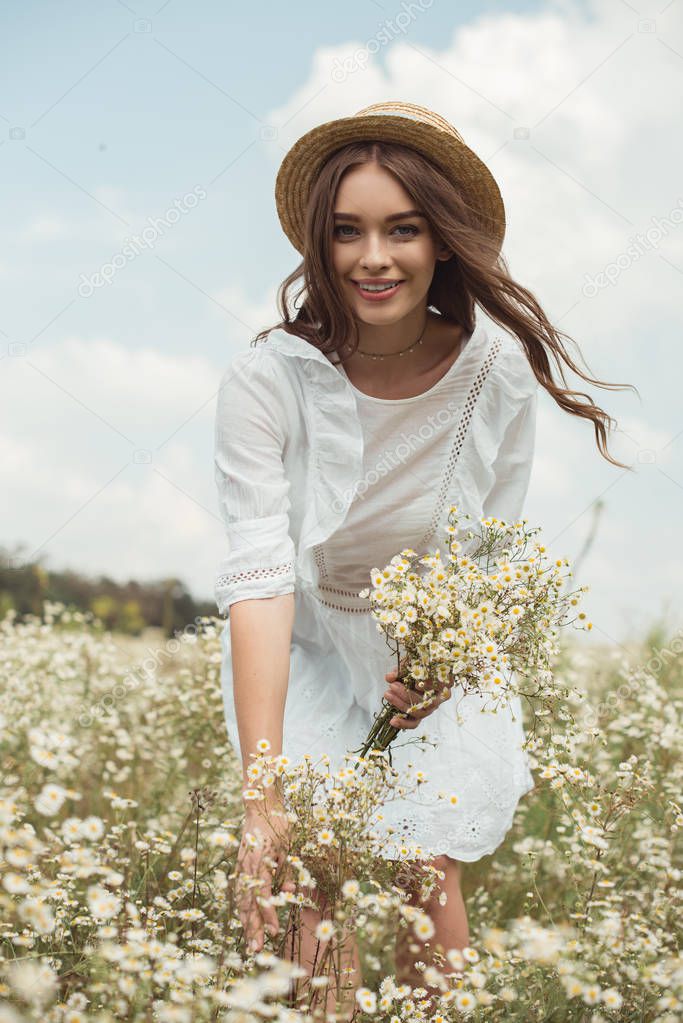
{"x": 466, "y": 856}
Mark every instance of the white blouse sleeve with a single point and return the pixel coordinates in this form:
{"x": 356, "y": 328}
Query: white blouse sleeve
{"x": 512, "y": 465}
{"x": 253, "y": 490}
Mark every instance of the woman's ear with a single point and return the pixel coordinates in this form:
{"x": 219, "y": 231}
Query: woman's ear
{"x": 443, "y": 253}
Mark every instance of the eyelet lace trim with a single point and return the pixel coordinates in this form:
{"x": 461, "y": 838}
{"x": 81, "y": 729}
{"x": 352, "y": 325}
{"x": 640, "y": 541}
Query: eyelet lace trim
{"x": 334, "y": 589}
{"x": 319, "y": 556}
{"x": 342, "y": 607}
{"x": 361, "y": 607}
{"x": 254, "y": 573}
{"x": 463, "y": 426}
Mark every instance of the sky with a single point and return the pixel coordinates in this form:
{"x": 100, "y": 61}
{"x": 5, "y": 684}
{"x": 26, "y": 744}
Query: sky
{"x": 172, "y": 119}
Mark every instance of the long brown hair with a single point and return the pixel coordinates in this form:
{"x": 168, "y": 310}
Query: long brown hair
{"x": 474, "y": 273}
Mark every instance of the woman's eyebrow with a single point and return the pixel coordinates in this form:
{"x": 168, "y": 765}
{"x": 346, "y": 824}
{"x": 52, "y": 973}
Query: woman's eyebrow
{"x": 391, "y": 217}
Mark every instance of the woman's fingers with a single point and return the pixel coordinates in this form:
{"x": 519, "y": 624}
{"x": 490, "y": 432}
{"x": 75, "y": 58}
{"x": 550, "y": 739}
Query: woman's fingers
{"x": 268, "y": 913}
{"x": 289, "y": 883}
{"x": 249, "y": 914}
{"x": 397, "y": 695}
{"x": 254, "y": 931}
{"x": 405, "y": 722}
{"x": 261, "y": 916}
{"x": 404, "y": 699}
{"x": 254, "y": 915}
{"x": 250, "y": 918}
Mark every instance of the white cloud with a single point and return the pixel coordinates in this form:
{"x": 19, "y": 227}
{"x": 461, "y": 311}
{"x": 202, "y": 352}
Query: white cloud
{"x": 153, "y": 518}
{"x": 255, "y": 316}
{"x": 46, "y": 229}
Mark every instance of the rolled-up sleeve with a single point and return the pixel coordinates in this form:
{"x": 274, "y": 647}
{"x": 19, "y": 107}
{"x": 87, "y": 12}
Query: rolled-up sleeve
{"x": 512, "y": 465}
{"x": 253, "y": 489}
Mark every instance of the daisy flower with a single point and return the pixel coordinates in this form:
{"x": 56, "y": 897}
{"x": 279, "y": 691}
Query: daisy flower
{"x": 424, "y": 928}
{"x": 591, "y": 994}
{"x": 15, "y": 884}
{"x": 465, "y": 1001}
{"x": 325, "y": 930}
{"x": 366, "y": 999}
{"x": 18, "y": 856}
{"x": 50, "y": 799}
{"x": 71, "y": 829}
{"x": 92, "y": 828}
{"x": 103, "y": 905}
{"x": 455, "y": 958}
{"x": 191, "y": 914}
{"x": 611, "y": 998}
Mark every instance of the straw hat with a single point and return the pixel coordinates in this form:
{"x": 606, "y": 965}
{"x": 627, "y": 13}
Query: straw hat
{"x": 393, "y": 121}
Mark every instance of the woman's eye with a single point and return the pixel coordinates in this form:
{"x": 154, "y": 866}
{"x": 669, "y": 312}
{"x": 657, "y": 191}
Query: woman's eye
{"x": 400, "y": 227}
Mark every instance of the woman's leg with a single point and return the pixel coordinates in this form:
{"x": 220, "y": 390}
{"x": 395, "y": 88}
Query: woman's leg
{"x": 304, "y": 948}
{"x": 451, "y": 929}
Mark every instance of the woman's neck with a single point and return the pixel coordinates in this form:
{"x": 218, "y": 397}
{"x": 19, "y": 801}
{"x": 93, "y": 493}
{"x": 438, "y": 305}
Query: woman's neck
{"x": 440, "y": 341}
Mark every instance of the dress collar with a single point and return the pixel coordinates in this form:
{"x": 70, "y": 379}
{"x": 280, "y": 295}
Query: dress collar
{"x": 292, "y": 344}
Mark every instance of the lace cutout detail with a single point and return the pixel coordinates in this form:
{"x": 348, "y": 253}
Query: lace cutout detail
{"x": 360, "y": 607}
{"x": 470, "y": 831}
{"x": 331, "y": 731}
{"x": 335, "y": 589}
{"x": 405, "y": 831}
{"x": 254, "y": 573}
{"x": 463, "y": 426}
{"x": 319, "y": 556}
{"x": 342, "y": 607}
{"x": 499, "y": 800}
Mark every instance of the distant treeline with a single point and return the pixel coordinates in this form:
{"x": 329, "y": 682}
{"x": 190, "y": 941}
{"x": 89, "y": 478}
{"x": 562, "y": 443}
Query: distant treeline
{"x": 124, "y": 607}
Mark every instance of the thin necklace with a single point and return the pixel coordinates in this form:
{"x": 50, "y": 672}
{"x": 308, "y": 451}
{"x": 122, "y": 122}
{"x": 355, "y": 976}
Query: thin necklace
{"x": 385, "y": 355}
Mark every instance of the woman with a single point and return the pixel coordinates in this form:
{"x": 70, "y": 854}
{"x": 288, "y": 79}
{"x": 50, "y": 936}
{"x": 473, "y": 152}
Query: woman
{"x": 344, "y": 435}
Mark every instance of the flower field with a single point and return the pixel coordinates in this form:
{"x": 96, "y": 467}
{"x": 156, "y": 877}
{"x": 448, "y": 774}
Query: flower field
{"x": 120, "y": 819}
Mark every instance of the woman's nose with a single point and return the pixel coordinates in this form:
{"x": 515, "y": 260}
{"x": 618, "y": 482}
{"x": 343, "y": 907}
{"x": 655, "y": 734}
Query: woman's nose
{"x": 375, "y": 253}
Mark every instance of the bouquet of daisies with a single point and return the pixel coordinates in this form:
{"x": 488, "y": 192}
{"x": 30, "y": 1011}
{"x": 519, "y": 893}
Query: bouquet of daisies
{"x": 485, "y": 622}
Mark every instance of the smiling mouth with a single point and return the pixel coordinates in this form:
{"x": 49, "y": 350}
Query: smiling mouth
{"x": 377, "y": 289}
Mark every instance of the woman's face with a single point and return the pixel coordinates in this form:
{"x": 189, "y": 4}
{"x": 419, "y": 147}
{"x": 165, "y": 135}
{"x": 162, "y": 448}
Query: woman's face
{"x": 373, "y": 243}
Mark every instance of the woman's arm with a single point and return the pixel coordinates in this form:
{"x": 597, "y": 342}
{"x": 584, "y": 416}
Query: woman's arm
{"x": 261, "y": 634}
{"x": 255, "y": 587}
{"x": 256, "y": 579}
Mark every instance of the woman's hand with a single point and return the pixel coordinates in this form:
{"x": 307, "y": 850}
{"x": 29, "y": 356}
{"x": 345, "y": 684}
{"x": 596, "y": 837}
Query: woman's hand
{"x": 404, "y": 698}
{"x": 268, "y": 823}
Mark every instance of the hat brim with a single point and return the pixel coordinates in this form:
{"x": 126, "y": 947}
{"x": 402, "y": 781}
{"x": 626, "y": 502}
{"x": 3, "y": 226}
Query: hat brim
{"x": 459, "y": 163}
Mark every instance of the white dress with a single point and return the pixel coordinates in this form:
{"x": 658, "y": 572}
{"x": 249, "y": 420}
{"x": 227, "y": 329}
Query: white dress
{"x": 409, "y": 471}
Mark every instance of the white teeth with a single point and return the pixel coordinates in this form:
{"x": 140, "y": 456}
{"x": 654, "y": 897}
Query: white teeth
{"x": 378, "y": 287}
